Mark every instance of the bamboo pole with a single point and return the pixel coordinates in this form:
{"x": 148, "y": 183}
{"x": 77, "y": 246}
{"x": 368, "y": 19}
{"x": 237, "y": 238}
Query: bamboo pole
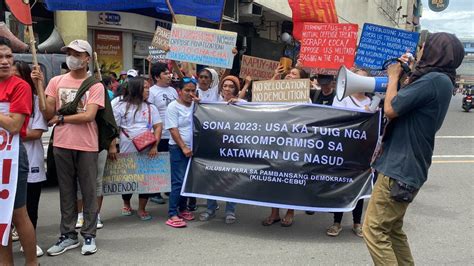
{"x": 40, "y": 86}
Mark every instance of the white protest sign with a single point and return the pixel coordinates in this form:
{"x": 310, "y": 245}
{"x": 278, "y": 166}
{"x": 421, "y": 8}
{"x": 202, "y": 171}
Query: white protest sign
{"x": 286, "y": 90}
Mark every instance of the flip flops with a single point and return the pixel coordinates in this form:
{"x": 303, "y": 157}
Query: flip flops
{"x": 287, "y": 221}
{"x": 126, "y": 211}
{"x": 186, "y": 215}
{"x": 145, "y": 216}
{"x": 176, "y": 223}
{"x": 270, "y": 221}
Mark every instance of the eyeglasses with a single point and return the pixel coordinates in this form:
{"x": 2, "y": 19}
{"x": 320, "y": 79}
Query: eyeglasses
{"x": 189, "y": 80}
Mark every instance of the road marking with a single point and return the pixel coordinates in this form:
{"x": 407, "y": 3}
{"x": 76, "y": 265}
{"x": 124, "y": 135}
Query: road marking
{"x": 453, "y": 161}
{"x": 453, "y": 156}
{"x": 454, "y": 137}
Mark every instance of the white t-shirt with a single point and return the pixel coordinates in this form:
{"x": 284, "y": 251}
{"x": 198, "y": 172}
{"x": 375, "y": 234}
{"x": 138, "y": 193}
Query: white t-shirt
{"x": 133, "y": 124}
{"x": 34, "y": 148}
{"x": 181, "y": 117}
{"x": 352, "y": 103}
{"x": 161, "y": 97}
{"x": 211, "y": 95}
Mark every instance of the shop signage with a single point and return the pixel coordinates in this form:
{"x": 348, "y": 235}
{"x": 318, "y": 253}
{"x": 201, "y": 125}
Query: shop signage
{"x": 107, "y": 18}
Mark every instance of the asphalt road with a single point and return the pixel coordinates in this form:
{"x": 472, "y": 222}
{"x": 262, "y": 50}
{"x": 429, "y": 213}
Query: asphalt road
{"x": 439, "y": 224}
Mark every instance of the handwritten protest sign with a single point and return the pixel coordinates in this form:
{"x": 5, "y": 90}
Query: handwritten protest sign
{"x": 161, "y": 38}
{"x": 157, "y": 55}
{"x": 294, "y": 90}
{"x": 379, "y": 43}
{"x": 202, "y": 46}
{"x": 328, "y": 45}
{"x": 9, "y": 151}
{"x": 137, "y": 173}
{"x": 257, "y": 68}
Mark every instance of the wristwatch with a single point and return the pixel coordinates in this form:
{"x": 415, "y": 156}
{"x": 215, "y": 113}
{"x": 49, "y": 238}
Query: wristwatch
{"x": 61, "y": 119}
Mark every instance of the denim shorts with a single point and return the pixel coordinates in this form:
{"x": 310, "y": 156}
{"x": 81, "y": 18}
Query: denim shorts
{"x": 23, "y": 169}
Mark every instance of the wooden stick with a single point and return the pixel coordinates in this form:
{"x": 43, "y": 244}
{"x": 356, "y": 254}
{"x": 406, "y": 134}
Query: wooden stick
{"x": 97, "y": 67}
{"x": 40, "y": 87}
{"x": 222, "y": 16}
{"x": 171, "y": 10}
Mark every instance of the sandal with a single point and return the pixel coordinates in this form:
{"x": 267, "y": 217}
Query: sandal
{"x": 230, "y": 218}
{"x": 176, "y": 223}
{"x": 126, "y": 211}
{"x": 145, "y": 216}
{"x": 334, "y": 230}
{"x": 287, "y": 222}
{"x": 186, "y": 215}
{"x": 206, "y": 216}
{"x": 269, "y": 221}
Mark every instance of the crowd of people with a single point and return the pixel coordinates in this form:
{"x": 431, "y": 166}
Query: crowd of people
{"x": 160, "y": 106}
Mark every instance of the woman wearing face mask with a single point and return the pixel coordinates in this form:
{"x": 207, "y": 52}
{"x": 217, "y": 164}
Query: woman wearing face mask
{"x": 287, "y": 221}
{"x": 179, "y": 117}
{"x": 135, "y": 115}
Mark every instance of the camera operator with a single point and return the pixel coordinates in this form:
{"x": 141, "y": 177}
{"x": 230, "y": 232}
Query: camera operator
{"x": 416, "y": 112}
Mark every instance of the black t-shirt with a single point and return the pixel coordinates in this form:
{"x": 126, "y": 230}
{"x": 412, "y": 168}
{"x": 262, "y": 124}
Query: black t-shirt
{"x": 325, "y": 99}
{"x": 408, "y": 147}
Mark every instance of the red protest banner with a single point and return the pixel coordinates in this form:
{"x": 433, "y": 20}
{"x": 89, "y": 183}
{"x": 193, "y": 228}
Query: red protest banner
{"x": 322, "y": 11}
{"x": 328, "y": 45}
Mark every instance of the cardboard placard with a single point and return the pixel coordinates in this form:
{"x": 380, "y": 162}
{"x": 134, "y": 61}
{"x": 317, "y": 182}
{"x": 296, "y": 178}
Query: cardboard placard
{"x": 328, "y": 45}
{"x": 203, "y": 46}
{"x": 379, "y": 43}
{"x": 257, "y": 68}
{"x": 137, "y": 173}
{"x": 286, "y": 90}
{"x": 161, "y": 39}
{"x": 157, "y": 55}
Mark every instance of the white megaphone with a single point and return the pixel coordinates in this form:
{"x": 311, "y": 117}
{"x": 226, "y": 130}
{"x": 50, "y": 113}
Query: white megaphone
{"x": 349, "y": 83}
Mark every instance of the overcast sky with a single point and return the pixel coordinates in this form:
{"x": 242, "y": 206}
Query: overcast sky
{"x": 458, "y": 18}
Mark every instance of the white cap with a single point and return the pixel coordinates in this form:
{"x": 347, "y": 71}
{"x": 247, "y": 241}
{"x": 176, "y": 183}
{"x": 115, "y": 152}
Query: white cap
{"x": 79, "y": 46}
{"x": 132, "y": 73}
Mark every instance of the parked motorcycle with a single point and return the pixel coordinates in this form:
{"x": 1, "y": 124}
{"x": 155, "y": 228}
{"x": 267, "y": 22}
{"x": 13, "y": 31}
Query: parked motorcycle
{"x": 467, "y": 99}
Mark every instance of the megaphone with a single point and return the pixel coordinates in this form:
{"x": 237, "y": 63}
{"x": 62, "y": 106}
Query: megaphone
{"x": 349, "y": 83}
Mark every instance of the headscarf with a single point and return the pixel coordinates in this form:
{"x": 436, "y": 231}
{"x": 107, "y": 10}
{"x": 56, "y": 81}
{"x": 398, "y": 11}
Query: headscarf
{"x": 443, "y": 52}
{"x": 215, "y": 77}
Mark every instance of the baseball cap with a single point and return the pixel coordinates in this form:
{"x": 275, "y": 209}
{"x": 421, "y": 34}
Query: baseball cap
{"x": 325, "y": 79}
{"x": 123, "y": 72}
{"x": 132, "y": 73}
{"x": 79, "y": 46}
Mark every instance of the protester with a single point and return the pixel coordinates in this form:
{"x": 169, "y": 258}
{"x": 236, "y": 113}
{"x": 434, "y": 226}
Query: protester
{"x": 135, "y": 115}
{"x": 75, "y": 145}
{"x": 179, "y": 123}
{"x": 294, "y": 73}
{"x": 356, "y": 101}
{"x": 15, "y": 109}
{"x": 107, "y": 81}
{"x": 416, "y": 113}
{"x": 229, "y": 88}
{"x": 204, "y": 91}
{"x": 161, "y": 95}
{"x": 34, "y": 148}
{"x": 114, "y": 83}
{"x": 326, "y": 95}
{"x": 123, "y": 77}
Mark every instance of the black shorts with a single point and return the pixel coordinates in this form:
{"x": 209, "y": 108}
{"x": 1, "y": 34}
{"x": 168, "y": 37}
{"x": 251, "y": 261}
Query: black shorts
{"x": 23, "y": 170}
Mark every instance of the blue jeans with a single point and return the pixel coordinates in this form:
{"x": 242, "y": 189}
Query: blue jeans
{"x": 212, "y": 205}
{"x": 178, "y": 162}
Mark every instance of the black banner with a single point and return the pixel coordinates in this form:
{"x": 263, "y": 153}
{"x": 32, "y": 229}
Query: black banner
{"x": 304, "y": 157}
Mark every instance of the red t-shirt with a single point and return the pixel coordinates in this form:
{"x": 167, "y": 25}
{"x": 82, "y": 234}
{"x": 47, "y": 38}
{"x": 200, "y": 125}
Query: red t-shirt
{"x": 17, "y": 93}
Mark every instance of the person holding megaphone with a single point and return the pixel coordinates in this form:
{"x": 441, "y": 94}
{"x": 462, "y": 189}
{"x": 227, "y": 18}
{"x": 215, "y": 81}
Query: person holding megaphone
{"x": 415, "y": 112}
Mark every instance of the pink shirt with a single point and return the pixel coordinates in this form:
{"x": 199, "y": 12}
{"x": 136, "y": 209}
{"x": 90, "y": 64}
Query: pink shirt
{"x": 82, "y": 137}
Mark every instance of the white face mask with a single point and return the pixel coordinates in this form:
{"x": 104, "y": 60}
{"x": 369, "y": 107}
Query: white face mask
{"x": 73, "y": 63}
